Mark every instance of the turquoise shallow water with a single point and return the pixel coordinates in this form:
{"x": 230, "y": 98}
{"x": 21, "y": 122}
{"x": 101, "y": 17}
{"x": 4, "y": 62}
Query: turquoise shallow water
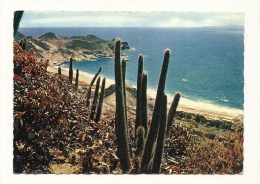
{"x": 206, "y": 64}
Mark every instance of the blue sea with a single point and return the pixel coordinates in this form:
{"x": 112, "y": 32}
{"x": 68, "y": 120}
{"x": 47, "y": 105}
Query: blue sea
{"x": 206, "y": 64}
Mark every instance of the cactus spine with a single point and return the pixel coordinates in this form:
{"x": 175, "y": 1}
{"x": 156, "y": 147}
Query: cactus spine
{"x": 100, "y": 103}
{"x": 153, "y": 132}
{"x": 172, "y": 111}
{"x": 94, "y": 78}
{"x": 121, "y": 116}
{"x": 77, "y": 80}
{"x": 70, "y": 72}
{"x": 138, "y": 93}
{"x": 161, "y": 136}
{"x": 94, "y": 103}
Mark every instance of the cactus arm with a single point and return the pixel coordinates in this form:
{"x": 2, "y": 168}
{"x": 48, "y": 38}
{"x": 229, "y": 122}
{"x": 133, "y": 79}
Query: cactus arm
{"x": 172, "y": 111}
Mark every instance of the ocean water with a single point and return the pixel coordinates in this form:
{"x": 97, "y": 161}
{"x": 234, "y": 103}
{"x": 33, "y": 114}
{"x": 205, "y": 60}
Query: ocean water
{"x": 206, "y": 64}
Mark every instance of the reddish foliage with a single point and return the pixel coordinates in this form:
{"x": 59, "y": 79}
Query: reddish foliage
{"x": 52, "y": 126}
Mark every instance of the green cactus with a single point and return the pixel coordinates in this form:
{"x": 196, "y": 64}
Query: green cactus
{"x": 100, "y": 103}
{"x": 172, "y": 111}
{"x": 94, "y": 103}
{"x": 89, "y": 95}
{"x": 123, "y": 76}
{"x": 17, "y": 18}
{"x": 77, "y": 80}
{"x": 94, "y": 78}
{"x": 59, "y": 71}
{"x": 140, "y": 135}
{"x": 22, "y": 43}
{"x": 153, "y": 132}
{"x": 138, "y": 93}
{"x": 143, "y": 104}
{"x": 121, "y": 116}
{"x": 149, "y": 149}
{"x": 140, "y": 143}
{"x": 70, "y": 72}
{"x": 161, "y": 136}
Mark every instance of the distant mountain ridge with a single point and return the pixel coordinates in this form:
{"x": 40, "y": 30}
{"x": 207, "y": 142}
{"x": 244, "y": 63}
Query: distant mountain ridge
{"x": 58, "y": 49}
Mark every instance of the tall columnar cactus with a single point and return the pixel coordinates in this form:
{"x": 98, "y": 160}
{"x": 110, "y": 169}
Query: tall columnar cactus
{"x": 161, "y": 136}
{"x": 143, "y": 104}
{"x": 138, "y": 93}
{"x": 89, "y": 95}
{"x": 121, "y": 116}
{"x": 94, "y": 78}
{"x": 150, "y": 148}
{"x": 94, "y": 103}
{"x": 70, "y": 72}
{"x": 17, "y": 18}
{"x": 59, "y": 71}
{"x": 172, "y": 111}
{"x": 153, "y": 131}
{"x": 22, "y": 43}
{"x": 100, "y": 103}
{"x": 77, "y": 80}
{"x": 123, "y": 77}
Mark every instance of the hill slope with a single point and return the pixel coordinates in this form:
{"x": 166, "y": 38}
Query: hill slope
{"x": 58, "y": 49}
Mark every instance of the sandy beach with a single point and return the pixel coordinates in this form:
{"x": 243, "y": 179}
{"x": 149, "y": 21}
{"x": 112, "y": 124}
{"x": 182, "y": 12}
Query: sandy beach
{"x": 210, "y": 111}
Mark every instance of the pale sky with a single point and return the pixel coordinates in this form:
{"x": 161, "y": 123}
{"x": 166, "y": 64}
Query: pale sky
{"x": 129, "y": 19}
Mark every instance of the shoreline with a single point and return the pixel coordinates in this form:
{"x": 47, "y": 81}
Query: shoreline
{"x": 208, "y": 110}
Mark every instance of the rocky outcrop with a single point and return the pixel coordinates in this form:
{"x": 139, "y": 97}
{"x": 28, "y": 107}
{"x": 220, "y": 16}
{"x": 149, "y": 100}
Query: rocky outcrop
{"x": 125, "y": 46}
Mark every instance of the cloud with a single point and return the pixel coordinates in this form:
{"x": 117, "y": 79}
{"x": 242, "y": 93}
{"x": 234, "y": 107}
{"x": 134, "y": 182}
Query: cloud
{"x": 129, "y": 19}
{"x": 194, "y": 19}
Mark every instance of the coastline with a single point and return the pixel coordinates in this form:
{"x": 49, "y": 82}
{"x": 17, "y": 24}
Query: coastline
{"x": 207, "y": 110}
